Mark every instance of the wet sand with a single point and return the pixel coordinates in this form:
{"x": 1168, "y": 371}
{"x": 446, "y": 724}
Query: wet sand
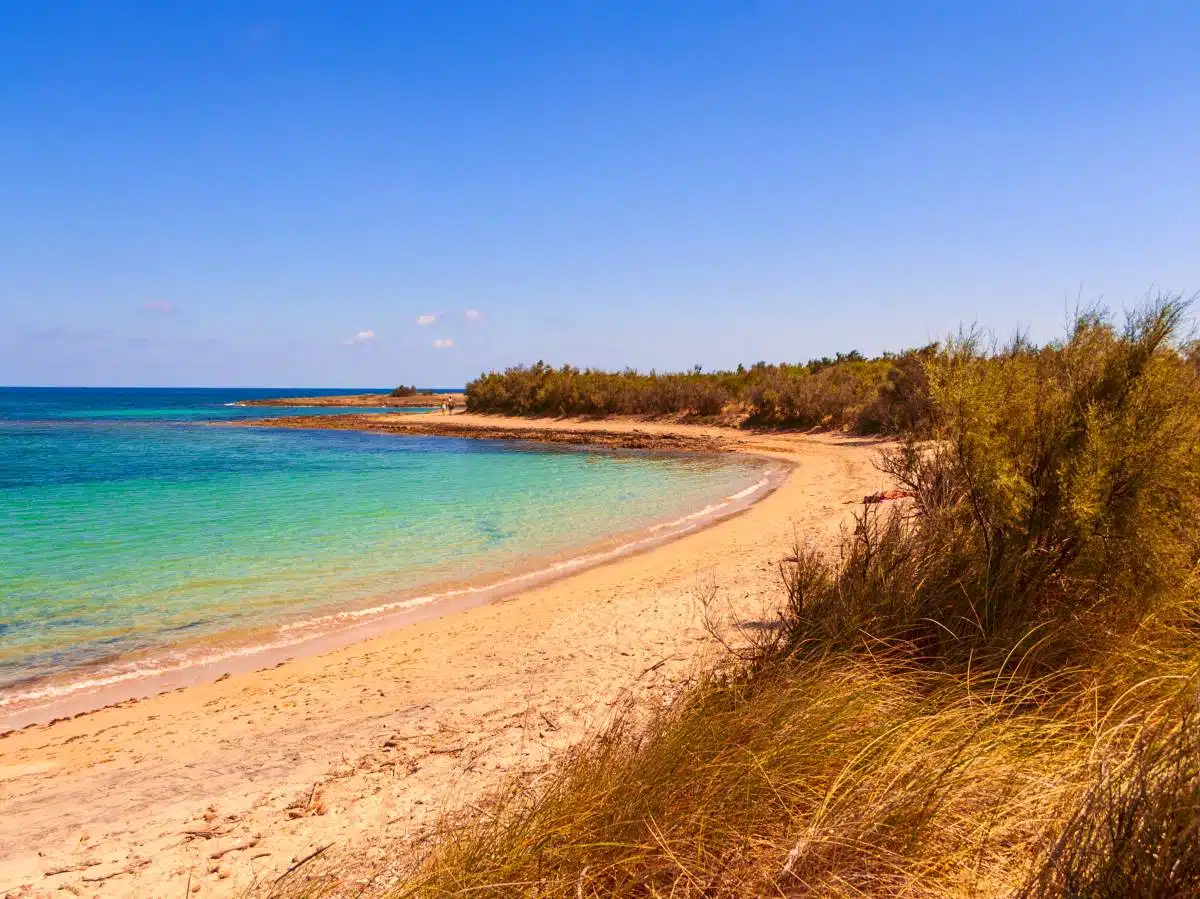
{"x": 222, "y": 786}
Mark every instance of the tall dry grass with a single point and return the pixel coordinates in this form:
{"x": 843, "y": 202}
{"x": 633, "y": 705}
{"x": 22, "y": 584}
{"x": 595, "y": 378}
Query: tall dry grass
{"x": 1136, "y": 832}
{"x": 841, "y": 776}
{"x": 992, "y": 692}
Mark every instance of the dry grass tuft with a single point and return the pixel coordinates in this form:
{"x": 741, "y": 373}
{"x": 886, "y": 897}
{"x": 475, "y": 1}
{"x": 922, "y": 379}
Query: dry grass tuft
{"x": 1137, "y": 831}
{"x": 842, "y": 776}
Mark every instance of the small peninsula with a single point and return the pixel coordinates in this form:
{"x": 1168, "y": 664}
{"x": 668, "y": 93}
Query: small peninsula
{"x": 360, "y": 400}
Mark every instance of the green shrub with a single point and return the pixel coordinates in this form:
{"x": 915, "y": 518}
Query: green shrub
{"x": 1060, "y": 495}
{"x": 884, "y": 395}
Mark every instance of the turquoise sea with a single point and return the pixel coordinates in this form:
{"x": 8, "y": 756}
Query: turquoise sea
{"x": 133, "y": 530}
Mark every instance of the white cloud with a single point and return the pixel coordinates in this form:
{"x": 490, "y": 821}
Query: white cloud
{"x": 360, "y": 338}
{"x": 426, "y": 320}
{"x": 473, "y": 316}
{"x": 443, "y": 343}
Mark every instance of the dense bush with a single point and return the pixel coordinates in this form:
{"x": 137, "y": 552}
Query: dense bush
{"x": 1063, "y": 488}
{"x": 402, "y": 391}
{"x": 884, "y": 395}
{"x": 544, "y": 390}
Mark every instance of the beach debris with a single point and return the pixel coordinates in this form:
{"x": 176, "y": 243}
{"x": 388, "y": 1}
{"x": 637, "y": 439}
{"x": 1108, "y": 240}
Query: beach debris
{"x": 304, "y": 861}
{"x": 205, "y": 834}
{"x": 136, "y": 865}
{"x": 885, "y": 495}
{"x": 236, "y": 847}
{"x": 78, "y": 866}
{"x": 658, "y": 665}
{"x": 302, "y": 806}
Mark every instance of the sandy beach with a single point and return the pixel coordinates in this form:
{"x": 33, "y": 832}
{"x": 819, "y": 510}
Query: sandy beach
{"x": 222, "y": 787}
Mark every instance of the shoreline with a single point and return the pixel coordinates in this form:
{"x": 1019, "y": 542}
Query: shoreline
{"x": 109, "y": 683}
{"x": 613, "y": 433}
{"x": 227, "y": 784}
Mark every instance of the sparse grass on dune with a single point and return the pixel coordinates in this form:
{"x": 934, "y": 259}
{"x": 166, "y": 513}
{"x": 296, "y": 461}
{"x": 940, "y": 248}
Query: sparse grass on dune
{"x": 857, "y": 773}
{"x": 993, "y": 692}
{"x": 845, "y": 776}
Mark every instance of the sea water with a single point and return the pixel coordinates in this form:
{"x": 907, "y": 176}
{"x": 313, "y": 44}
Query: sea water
{"x": 136, "y": 524}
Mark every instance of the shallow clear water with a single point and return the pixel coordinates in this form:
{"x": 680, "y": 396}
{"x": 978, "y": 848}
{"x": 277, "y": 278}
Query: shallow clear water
{"x": 129, "y": 524}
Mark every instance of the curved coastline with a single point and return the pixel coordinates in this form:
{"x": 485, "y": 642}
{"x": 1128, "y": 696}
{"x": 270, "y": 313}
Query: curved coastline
{"x": 369, "y": 744}
{"x": 121, "y": 680}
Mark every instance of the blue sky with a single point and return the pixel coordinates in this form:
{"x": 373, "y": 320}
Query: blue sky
{"x": 247, "y": 193}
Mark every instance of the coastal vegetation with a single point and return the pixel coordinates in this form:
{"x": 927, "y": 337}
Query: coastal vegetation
{"x": 887, "y": 394}
{"x": 992, "y": 691}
